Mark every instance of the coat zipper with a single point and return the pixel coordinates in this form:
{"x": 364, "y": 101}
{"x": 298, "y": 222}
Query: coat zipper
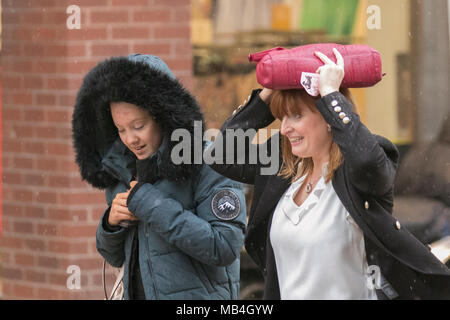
{"x": 149, "y": 262}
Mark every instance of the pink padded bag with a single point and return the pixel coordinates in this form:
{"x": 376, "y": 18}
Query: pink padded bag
{"x": 281, "y": 68}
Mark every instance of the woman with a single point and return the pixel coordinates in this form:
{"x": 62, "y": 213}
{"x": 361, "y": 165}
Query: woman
{"x": 322, "y": 227}
{"x": 165, "y": 223}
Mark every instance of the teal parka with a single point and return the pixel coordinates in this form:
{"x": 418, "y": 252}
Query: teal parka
{"x": 191, "y": 219}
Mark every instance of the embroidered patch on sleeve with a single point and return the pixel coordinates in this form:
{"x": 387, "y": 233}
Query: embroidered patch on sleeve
{"x": 226, "y": 205}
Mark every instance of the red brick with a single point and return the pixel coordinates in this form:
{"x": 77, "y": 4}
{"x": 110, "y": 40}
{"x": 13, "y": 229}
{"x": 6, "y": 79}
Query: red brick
{"x": 11, "y": 242}
{"x": 67, "y": 99}
{"x": 45, "y": 67}
{"x": 31, "y": 18}
{"x": 11, "y": 114}
{"x": 179, "y": 64}
{"x": 33, "y": 82}
{"x": 152, "y": 15}
{"x": 34, "y": 179}
{"x": 22, "y": 195}
{"x": 86, "y": 198}
{"x": 91, "y": 3}
{"x": 68, "y": 166}
{"x": 12, "y": 82}
{"x": 45, "y": 99}
{"x": 182, "y": 14}
{"x": 59, "y": 181}
{"x": 23, "y": 163}
{"x": 12, "y": 210}
{"x": 34, "y": 147}
{"x": 36, "y": 50}
{"x": 25, "y": 66}
{"x": 12, "y": 273}
{"x": 23, "y": 131}
{"x": 34, "y": 115}
{"x": 78, "y": 231}
{"x": 23, "y": 227}
{"x": 65, "y": 50}
{"x": 170, "y": 32}
{"x": 130, "y": 3}
{"x": 48, "y": 262}
{"x": 67, "y": 215}
{"x": 58, "y": 149}
{"x": 48, "y": 294}
{"x": 109, "y": 50}
{"x": 108, "y": 16}
{"x": 125, "y": 33}
{"x": 46, "y": 197}
{"x": 11, "y": 178}
{"x": 23, "y": 291}
{"x": 34, "y": 212}
{"x": 75, "y": 67}
{"x": 155, "y": 49}
{"x": 24, "y": 259}
{"x": 58, "y": 116}
{"x": 34, "y": 276}
{"x": 22, "y": 98}
{"x": 35, "y": 244}
{"x": 58, "y": 279}
{"x": 64, "y": 83}
{"x": 68, "y": 247}
{"x": 82, "y": 34}
{"x": 168, "y": 3}
{"x": 46, "y": 164}
{"x": 46, "y": 132}
{"x": 47, "y": 229}
{"x": 43, "y": 34}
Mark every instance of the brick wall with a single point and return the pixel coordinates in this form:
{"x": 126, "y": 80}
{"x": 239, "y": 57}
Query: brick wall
{"x": 49, "y": 214}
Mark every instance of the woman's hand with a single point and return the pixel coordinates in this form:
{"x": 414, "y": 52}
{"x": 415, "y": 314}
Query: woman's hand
{"x": 265, "y": 95}
{"x": 119, "y": 210}
{"x": 331, "y": 74}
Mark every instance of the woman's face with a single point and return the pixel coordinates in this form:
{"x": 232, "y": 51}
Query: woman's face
{"x": 307, "y": 133}
{"x": 137, "y": 130}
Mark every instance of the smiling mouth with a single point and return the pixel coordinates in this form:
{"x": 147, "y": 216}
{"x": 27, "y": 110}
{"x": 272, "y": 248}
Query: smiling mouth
{"x": 294, "y": 140}
{"x": 139, "y": 148}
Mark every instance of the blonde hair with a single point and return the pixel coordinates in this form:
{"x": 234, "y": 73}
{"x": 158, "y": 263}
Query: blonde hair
{"x": 287, "y": 102}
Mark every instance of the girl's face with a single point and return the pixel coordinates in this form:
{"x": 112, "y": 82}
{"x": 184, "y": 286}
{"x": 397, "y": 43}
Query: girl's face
{"x": 137, "y": 130}
{"x": 307, "y": 133}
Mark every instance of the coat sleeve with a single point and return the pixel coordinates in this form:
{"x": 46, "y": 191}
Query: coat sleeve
{"x": 110, "y": 243}
{"x": 200, "y": 233}
{"x": 246, "y": 159}
{"x": 371, "y": 161}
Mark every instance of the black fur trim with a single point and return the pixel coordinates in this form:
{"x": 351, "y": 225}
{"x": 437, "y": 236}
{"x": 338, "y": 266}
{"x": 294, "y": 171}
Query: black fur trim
{"x": 119, "y": 79}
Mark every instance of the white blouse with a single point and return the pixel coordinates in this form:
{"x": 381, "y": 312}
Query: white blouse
{"x": 319, "y": 249}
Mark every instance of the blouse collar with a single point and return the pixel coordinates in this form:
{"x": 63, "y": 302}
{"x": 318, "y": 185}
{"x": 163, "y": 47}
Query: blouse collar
{"x": 294, "y": 212}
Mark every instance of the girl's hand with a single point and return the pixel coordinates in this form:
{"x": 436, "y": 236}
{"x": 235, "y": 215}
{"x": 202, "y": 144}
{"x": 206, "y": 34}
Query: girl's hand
{"x": 331, "y": 74}
{"x": 119, "y": 210}
{"x": 132, "y": 184}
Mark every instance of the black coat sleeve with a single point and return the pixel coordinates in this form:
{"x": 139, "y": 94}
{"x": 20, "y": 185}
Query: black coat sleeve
{"x": 236, "y": 157}
{"x": 370, "y": 160}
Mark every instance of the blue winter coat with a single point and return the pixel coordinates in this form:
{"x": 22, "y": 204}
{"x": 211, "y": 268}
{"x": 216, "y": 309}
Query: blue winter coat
{"x": 191, "y": 219}
{"x": 185, "y": 250}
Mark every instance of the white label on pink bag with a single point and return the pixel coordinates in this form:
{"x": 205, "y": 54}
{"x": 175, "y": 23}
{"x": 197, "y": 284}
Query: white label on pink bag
{"x": 310, "y": 81}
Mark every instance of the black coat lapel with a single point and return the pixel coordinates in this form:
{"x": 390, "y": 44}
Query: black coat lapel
{"x": 273, "y": 191}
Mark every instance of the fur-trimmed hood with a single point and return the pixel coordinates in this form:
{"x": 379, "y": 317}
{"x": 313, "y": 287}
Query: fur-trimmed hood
{"x": 138, "y": 80}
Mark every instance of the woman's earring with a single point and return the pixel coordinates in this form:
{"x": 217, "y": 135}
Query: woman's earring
{"x": 328, "y": 128}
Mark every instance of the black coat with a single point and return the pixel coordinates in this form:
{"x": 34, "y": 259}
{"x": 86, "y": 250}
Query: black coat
{"x": 364, "y": 183}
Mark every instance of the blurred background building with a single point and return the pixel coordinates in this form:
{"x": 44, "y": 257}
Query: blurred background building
{"x": 49, "y": 215}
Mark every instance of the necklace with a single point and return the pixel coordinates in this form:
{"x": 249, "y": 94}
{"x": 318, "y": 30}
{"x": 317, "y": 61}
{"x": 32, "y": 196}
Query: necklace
{"x": 309, "y": 185}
